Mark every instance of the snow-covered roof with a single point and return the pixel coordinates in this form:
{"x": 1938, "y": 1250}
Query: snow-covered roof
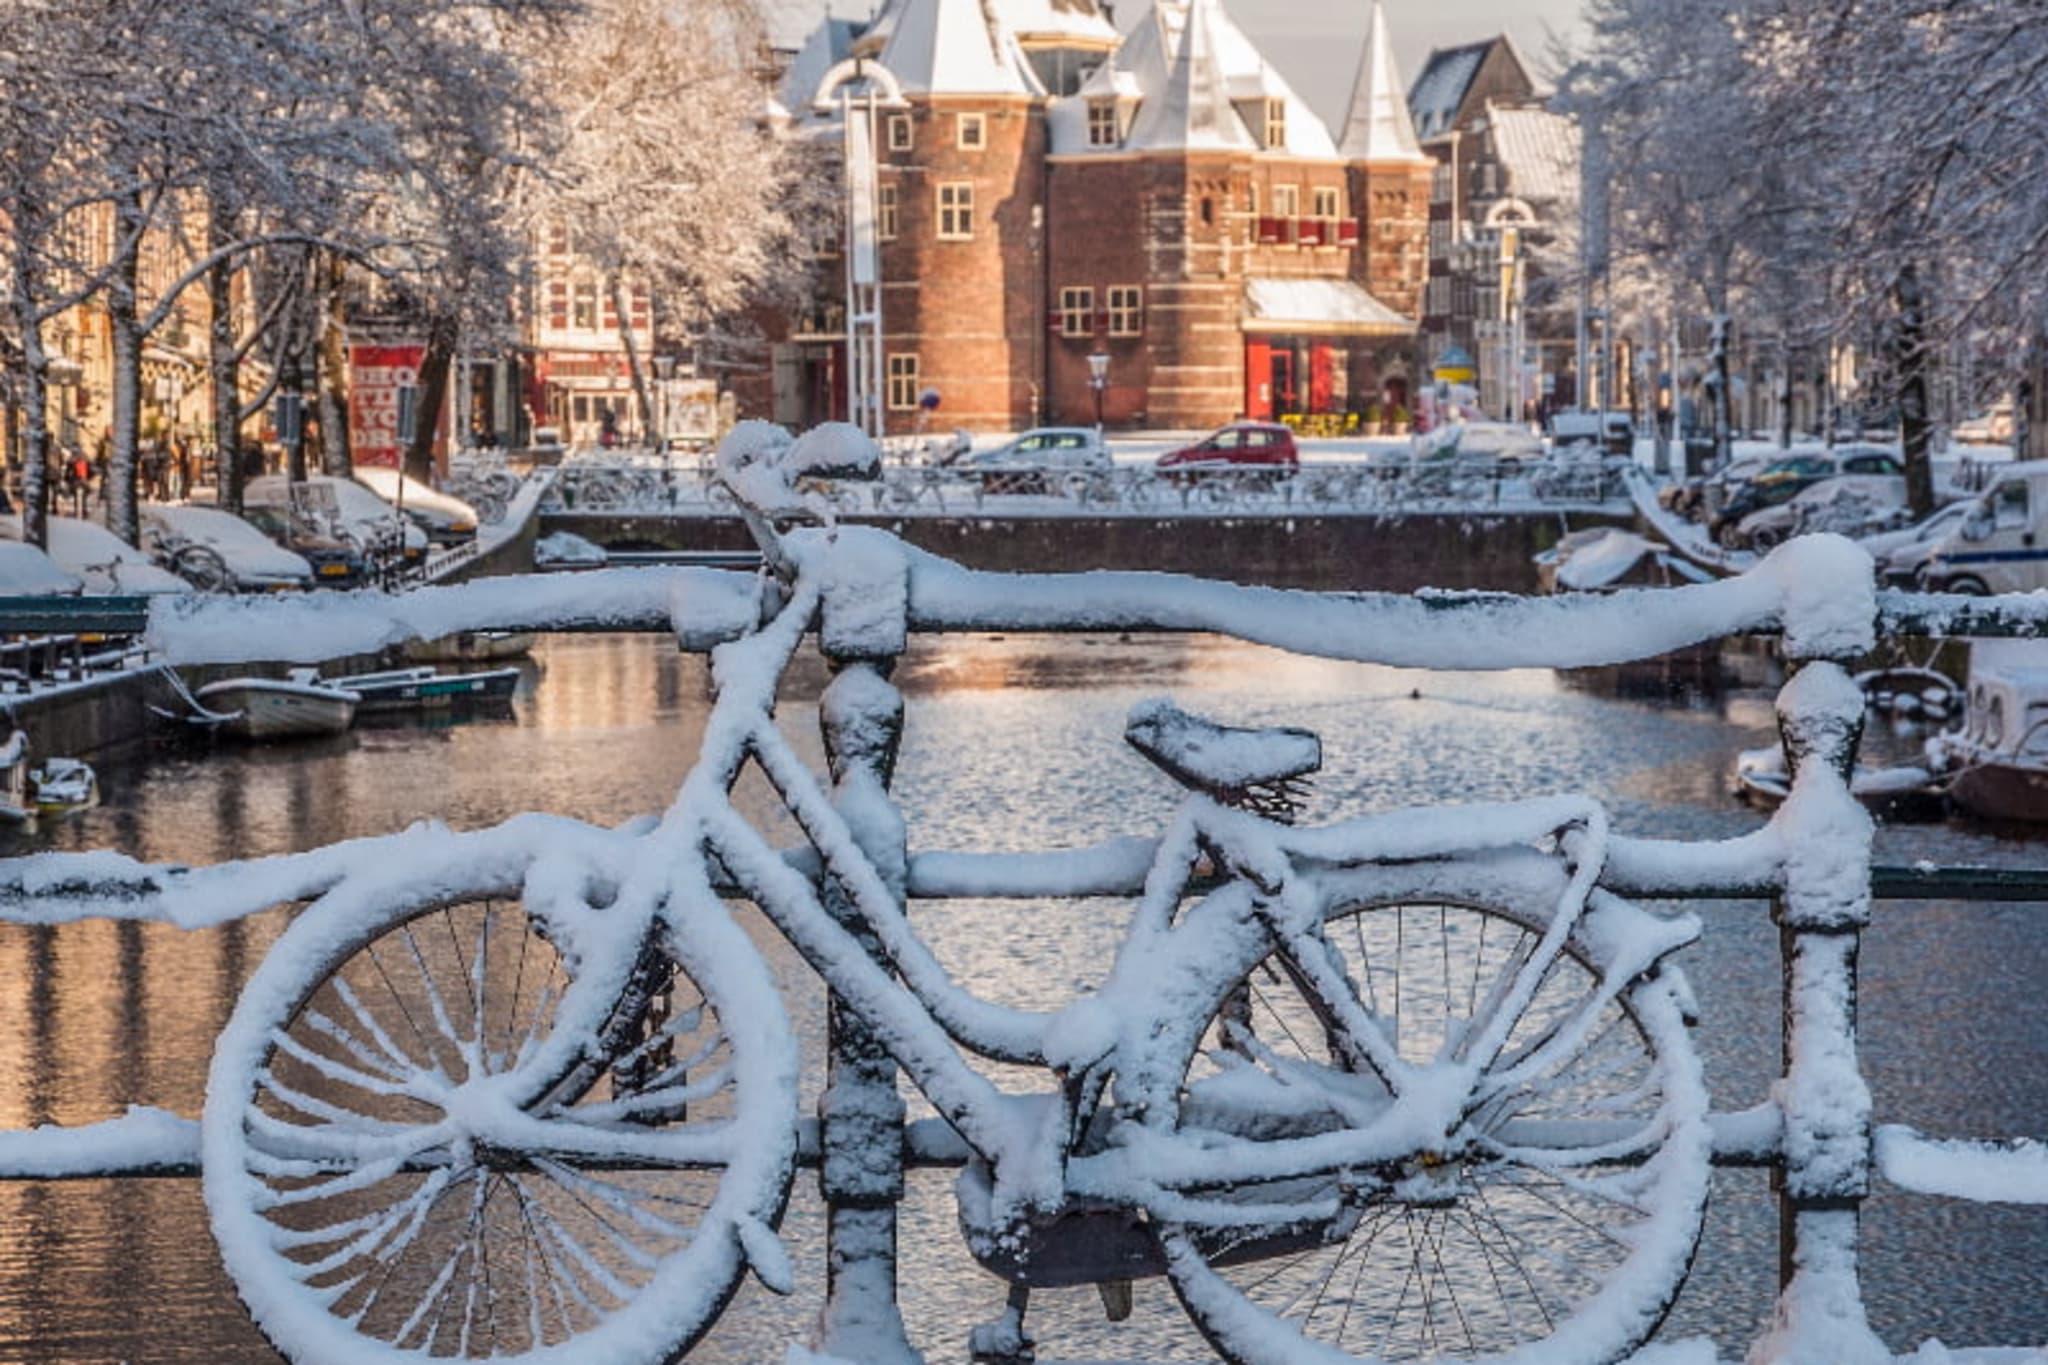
{"x": 1144, "y": 68}
{"x": 1318, "y": 307}
{"x": 790, "y": 24}
{"x": 951, "y": 47}
{"x": 1376, "y": 124}
{"x": 828, "y": 43}
{"x": 1434, "y": 99}
{"x": 1539, "y": 149}
{"x": 1191, "y": 111}
{"x": 1052, "y": 21}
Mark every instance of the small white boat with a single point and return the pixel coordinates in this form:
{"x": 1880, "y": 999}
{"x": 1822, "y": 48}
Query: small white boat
{"x": 269, "y": 708}
{"x": 1997, "y": 762}
{"x": 420, "y": 689}
{"x": 17, "y": 807}
{"x": 1908, "y": 792}
{"x": 64, "y": 784}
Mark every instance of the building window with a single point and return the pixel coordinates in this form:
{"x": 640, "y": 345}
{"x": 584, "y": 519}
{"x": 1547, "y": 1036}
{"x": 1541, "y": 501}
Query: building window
{"x": 583, "y": 306}
{"x": 970, "y": 131}
{"x": 1077, "y": 312}
{"x": 1439, "y": 237}
{"x": 1325, "y": 202}
{"x": 1102, "y": 123}
{"x": 1287, "y": 201}
{"x": 1126, "y": 310}
{"x": 956, "y": 210}
{"x": 1439, "y": 296}
{"x": 903, "y": 382}
{"x": 1276, "y": 123}
{"x": 899, "y": 132}
{"x": 885, "y": 212}
{"x": 1440, "y": 184}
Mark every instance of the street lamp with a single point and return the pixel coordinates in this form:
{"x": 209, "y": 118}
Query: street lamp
{"x": 1098, "y": 380}
{"x": 664, "y": 369}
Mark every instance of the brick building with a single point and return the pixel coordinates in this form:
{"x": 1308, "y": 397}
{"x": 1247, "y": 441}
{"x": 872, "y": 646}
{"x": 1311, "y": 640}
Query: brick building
{"x": 1055, "y": 191}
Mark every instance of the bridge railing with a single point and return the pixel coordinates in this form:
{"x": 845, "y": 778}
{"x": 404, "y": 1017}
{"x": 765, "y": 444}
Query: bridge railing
{"x": 1811, "y": 861}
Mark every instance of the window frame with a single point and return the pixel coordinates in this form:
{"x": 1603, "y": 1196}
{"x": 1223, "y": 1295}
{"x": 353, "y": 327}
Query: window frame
{"x": 955, "y": 221}
{"x": 1321, "y": 195}
{"x": 1126, "y": 306}
{"x": 1286, "y": 201}
{"x": 1276, "y": 123}
{"x": 965, "y": 120}
{"x": 1077, "y": 310}
{"x": 902, "y": 381}
{"x": 887, "y": 212}
{"x": 1104, "y": 126}
{"x": 899, "y": 135}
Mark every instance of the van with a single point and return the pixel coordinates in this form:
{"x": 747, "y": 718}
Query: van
{"x": 2001, "y": 544}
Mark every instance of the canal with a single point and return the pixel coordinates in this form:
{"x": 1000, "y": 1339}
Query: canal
{"x": 1013, "y": 743}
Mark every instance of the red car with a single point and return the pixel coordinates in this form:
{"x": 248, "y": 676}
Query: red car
{"x": 1266, "y": 445}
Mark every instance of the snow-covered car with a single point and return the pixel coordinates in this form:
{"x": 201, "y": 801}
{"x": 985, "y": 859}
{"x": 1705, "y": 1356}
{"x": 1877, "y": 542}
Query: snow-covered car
{"x": 1041, "y": 460}
{"x": 219, "y": 552}
{"x": 1786, "y": 477}
{"x": 445, "y": 519}
{"x": 1990, "y": 428}
{"x": 1900, "y": 555}
{"x": 26, "y": 571}
{"x": 1848, "y": 504}
{"x": 348, "y": 510}
{"x": 105, "y": 563}
{"x": 1507, "y": 444}
{"x": 337, "y": 561}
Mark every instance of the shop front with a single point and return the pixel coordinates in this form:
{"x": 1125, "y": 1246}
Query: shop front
{"x": 1320, "y": 349}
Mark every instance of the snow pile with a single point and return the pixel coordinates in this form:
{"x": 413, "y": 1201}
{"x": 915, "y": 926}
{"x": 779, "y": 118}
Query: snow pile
{"x": 2012, "y": 1172}
{"x": 566, "y": 547}
{"x": 1602, "y": 561}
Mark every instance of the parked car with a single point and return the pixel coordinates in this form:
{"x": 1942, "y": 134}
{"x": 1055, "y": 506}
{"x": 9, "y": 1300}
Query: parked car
{"x": 1240, "y": 445}
{"x": 1782, "y": 479}
{"x": 1993, "y": 427}
{"x": 346, "y": 509}
{"x": 446, "y": 520}
{"x": 105, "y": 562}
{"x": 337, "y": 561}
{"x": 1900, "y": 555}
{"x": 1507, "y": 444}
{"x": 2001, "y": 544}
{"x": 1848, "y": 504}
{"x": 1612, "y": 432}
{"x": 26, "y": 571}
{"x": 1042, "y": 460}
{"x": 218, "y": 552}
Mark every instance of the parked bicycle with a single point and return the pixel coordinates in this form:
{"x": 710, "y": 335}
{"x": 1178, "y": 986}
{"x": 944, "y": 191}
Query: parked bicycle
{"x": 1395, "y": 1087}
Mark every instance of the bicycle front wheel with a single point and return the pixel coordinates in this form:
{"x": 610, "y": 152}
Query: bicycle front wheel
{"x": 1558, "y": 1225}
{"x": 391, "y": 1177}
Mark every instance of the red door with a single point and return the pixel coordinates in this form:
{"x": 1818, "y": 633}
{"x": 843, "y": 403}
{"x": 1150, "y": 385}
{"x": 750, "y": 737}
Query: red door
{"x": 1284, "y": 396}
{"x": 1321, "y": 388}
{"x": 1258, "y": 379}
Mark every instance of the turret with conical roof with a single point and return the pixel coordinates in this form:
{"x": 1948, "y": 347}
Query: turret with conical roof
{"x": 1376, "y": 125}
{"x": 1191, "y": 111}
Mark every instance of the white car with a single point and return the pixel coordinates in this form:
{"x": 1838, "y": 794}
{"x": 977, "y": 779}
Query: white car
{"x": 1900, "y": 555}
{"x": 105, "y": 562}
{"x": 1041, "y": 460}
{"x": 442, "y": 517}
{"x": 1505, "y": 443}
{"x": 218, "y": 552}
{"x": 1848, "y": 503}
{"x": 359, "y": 514}
{"x": 1993, "y": 428}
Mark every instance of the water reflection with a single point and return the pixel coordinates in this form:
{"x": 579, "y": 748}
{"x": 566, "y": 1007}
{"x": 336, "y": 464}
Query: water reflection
{"x": 1011, "y": 743}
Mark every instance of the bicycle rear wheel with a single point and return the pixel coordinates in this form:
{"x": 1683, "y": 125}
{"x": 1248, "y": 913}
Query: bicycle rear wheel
{"x": 391, "y": 1177}
{"x": 1558, "y": 1224}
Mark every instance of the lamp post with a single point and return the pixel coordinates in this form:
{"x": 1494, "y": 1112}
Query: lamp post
{"x": 664, "y": 370}
{"x": 1098, "y": 380}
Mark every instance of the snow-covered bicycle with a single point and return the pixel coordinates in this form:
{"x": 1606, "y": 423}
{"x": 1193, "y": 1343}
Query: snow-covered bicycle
{"x": 1410, "y": 1085}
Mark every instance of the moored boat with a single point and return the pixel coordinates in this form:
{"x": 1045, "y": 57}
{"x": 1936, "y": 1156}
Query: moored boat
{"x": 271, "y": 708}
{"x": 1997, "y": 761}
{"x": 1907, "y": 792}
{"x": 16, "y": 806}
{"x": 61, "y": 785}
{"x": 423, "y": 688}
{"x": 472, "y": 647}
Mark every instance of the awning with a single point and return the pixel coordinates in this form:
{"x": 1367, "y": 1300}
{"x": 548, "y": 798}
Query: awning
{"x": 1319, "y": 308}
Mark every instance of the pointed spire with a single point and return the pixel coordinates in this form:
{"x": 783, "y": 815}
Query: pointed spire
{"x": 1192, "y": 111}
{"x": 950, "y": 47}
{"x": 1376, "y": 125}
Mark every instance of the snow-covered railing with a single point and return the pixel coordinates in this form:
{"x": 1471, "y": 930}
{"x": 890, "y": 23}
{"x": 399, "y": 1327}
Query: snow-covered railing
{"x": 687, "y": 487}
{"x": 1221, "y": 892}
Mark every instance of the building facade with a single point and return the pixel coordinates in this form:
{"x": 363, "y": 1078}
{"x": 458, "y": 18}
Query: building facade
{"x": 1152, "y": 227}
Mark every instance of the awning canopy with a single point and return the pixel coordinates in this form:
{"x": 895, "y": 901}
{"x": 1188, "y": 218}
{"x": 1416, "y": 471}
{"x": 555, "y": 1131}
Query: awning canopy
{"x": 1319, "y": 308}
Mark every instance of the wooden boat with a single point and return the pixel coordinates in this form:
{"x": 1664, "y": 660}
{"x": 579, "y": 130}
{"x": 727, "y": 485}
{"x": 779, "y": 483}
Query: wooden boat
{"x": 271, "y": 708}
{"x": 62, "y": 785}
{"x": 1997, "y": 762}
{"x": 472, "y": 647}
{"x": 423, "y": 688}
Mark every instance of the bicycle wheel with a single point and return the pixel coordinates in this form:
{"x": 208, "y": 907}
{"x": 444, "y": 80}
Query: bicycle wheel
{"x": 1558, "y": 1222}
{"x": 383, "y": 1188}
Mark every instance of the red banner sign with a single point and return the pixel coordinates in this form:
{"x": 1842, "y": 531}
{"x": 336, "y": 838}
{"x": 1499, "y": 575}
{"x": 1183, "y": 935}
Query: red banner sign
{"x": 377, "y": 374}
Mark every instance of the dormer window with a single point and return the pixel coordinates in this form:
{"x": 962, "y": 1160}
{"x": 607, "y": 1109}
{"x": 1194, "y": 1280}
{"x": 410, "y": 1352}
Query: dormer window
{"x": 899, "y": 132}
{"x": 1102, "y": 129}
{"x": 1276, "y": 123}
{"x": 971, "y": 132}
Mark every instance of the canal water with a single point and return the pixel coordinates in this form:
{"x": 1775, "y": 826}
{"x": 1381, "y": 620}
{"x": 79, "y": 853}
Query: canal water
{"x": 1013, "y": 743}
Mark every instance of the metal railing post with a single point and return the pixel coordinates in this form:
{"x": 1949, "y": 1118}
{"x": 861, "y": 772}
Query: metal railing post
{"x": 861, "y": 1115}
{"x": 1823, "y": 1172}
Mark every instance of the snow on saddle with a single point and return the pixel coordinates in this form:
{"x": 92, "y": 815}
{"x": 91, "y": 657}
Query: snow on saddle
{"x": 1258, "y": 770}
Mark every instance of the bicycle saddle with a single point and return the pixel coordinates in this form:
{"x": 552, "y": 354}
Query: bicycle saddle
{"x": 1226, "y": 761}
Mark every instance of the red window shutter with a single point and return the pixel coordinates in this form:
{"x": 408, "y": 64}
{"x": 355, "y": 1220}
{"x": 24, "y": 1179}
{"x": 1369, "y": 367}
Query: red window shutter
{"x": 558, "y": 304}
